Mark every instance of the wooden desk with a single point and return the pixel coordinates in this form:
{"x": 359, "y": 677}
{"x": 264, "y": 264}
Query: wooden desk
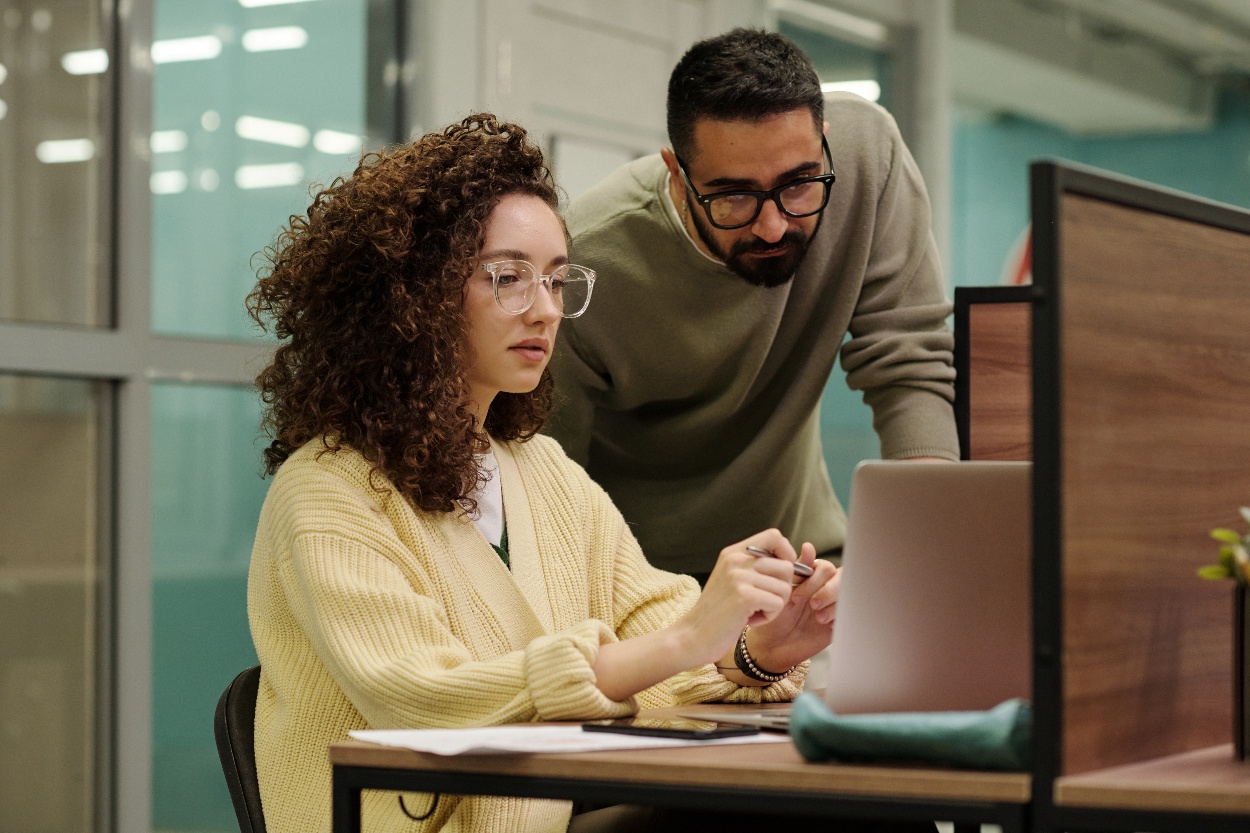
{"x": 1204, "y": 790}
{"x": 747, "y": 778}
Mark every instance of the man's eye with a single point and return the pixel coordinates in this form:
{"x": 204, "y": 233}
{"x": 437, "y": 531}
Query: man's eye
{"x": 557, "y": 285}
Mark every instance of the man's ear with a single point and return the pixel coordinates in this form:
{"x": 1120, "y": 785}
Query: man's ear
{"x": 670, "y": 159}
{"x": 825, "y": 132}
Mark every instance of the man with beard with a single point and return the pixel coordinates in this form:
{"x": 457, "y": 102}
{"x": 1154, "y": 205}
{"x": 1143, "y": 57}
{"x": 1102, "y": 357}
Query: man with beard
{"x": 731, "y": 268}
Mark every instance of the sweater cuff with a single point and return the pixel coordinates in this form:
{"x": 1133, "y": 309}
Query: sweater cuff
{"x": 706, "y": 685}
{"x": 560, "y": 670}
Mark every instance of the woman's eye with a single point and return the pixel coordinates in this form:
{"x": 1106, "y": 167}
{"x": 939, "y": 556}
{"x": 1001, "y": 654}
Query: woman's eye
{"x": 557, "y": 285}
{"x": 507, "y": 278}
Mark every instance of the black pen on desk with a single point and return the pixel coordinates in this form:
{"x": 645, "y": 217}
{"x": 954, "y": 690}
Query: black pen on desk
{"x": 800, "y": 569}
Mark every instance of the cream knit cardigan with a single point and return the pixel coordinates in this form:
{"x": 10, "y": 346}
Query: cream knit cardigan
{"x": 367, "y": 613}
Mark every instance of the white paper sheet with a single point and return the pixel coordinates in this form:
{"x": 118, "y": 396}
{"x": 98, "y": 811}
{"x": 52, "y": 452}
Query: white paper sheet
{"x": 542, "y": 738}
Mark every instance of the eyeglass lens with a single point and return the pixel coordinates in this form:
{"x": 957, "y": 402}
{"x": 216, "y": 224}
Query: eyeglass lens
{"x": 797, "y": 200}
{"x": 516, "y": 287}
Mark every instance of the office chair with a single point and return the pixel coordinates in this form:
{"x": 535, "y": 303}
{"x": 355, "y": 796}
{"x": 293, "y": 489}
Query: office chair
{"x": 234, "y": 726}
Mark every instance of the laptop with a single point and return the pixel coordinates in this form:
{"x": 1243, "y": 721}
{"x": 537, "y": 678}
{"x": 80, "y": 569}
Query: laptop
{"x": 934, "y": 609}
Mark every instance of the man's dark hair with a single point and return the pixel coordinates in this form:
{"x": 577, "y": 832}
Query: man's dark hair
{"x": 744, "y": 74}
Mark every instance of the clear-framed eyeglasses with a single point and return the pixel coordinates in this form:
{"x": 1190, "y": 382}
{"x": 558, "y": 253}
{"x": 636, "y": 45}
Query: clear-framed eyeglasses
{"x": 517, "y": 281}
{"x": 735, "y": 209}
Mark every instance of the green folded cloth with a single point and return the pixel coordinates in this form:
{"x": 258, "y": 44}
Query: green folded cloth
{"x": 995, "y": 739}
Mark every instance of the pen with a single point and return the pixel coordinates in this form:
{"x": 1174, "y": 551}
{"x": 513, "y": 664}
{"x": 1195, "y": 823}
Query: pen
{"x": 800, "y": 569}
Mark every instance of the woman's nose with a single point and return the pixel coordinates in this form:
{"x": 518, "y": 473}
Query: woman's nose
{"x": 545, "y": 306}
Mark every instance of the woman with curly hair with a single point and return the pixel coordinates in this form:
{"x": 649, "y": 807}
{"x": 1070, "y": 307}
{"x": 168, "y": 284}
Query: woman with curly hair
{"x": 423, "y": 558}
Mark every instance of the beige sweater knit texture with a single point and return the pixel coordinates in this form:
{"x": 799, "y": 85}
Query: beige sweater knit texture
{"x": 693, "y": 397}
{"x": 368, "y": 613}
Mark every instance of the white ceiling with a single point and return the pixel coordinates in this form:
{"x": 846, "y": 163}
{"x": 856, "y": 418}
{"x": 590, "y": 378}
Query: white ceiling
{"x": 1098, "y": 67}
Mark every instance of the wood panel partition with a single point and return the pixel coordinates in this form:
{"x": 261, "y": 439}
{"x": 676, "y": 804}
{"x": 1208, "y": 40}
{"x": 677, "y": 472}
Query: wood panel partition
{"x": 993, "y": 380}
{"x": 1141, "y": 446}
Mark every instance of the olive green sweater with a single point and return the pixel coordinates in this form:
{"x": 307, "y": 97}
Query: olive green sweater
{"x": 693, "y": 397}
{"x": 367, "y": 613}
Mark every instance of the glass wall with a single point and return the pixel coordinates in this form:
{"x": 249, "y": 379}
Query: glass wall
{"x": 51, "y": 585}
{"x": 53, "y": 73}
{"x": 254, "y": 103}
{"x": 206, "y": 497}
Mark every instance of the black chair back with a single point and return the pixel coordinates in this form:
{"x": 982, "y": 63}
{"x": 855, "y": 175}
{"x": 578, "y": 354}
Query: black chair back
{"x": 234, "y": 727}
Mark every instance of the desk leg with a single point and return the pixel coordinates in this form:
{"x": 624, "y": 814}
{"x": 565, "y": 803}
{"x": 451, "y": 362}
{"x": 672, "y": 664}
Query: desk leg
{"x": 346, "y": 803}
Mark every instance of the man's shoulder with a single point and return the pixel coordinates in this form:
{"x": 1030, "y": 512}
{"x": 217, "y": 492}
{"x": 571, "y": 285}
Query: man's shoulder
{"x": 632, "y": 190}
{"x": 858, "y": 124}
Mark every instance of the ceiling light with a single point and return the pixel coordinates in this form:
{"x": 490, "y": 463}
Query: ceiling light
{"x": 255, "y": 4}
{"x": 167, "y": 141}
{"x": 208, "y": 179}
{"x": 168, "y": 182}
{"x": 4, "y": 73}
{"x": 202, "y": 48}
{"x": 4, "y": 108}
{"x": 275, "y": 132}
{"x": 870, "y": 90}
{"x": 279, "y": 37}
{"x": 269, "y": 176}
{"x": 65, "y": 150}
{"x": 333, "y": 141}
{"x": 85, "y": 62}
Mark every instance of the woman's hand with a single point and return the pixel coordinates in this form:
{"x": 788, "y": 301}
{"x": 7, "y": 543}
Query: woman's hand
{"x": 743, "y": 589}
{"x": 805, "y": 626}
{"x": 789, "y": 622}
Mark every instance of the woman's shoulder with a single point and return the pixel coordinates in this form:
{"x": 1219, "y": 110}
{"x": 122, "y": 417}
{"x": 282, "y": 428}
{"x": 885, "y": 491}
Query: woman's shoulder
{"x": 543, "y": 450}
{"x": 321, "y": 468}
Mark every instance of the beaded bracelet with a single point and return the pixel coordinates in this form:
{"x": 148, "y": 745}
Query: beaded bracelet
{"x": 746, "y": 664}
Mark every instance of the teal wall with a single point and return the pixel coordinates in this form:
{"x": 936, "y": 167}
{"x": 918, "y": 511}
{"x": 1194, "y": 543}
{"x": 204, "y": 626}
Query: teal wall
{"x": 990, "y": 211}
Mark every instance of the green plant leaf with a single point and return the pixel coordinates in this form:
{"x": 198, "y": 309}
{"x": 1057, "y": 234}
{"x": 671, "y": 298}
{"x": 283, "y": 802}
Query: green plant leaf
{"x": 1214, "y": 571}
{"x": 1226, "y": 535}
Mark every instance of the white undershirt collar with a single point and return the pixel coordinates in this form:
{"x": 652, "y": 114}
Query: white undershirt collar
{"x": 489, "y": 518}
{"x": 675, "y": 213}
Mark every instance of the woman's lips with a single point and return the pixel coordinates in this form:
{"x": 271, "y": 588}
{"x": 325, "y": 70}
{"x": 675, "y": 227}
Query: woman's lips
{"x": 533, "y": 349}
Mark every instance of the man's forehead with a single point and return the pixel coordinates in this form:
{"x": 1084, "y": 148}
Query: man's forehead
{"x": 749, "y": 148}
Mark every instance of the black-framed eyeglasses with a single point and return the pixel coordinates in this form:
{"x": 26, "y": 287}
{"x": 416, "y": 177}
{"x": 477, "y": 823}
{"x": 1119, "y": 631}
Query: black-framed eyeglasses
{"x": 735, "y": 209}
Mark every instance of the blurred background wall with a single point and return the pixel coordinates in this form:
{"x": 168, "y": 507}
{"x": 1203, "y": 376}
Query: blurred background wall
{"x": 149, "y": 149}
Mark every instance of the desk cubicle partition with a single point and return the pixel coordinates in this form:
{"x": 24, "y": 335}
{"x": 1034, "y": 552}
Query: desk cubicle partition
{"x": 993, "y": 382}
{"x": 1141, "y": 445}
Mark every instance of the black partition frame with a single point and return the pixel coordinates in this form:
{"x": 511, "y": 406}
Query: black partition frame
{"x": 1050, "y": 180}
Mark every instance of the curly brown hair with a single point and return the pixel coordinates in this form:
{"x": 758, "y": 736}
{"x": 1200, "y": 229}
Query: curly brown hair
{"x": 366, "y": 294}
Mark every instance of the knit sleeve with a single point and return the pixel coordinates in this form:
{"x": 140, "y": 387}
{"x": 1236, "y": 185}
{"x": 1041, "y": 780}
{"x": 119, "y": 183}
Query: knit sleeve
{"x": 387, "y": 643}
{"x": 900, "y": 353}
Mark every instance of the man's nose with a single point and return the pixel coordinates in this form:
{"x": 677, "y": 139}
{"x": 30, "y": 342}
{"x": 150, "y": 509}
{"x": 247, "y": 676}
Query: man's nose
{"x": 771, "y": 225}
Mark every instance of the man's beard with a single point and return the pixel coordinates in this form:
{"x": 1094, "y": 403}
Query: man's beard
{"x": 758, "y": 271}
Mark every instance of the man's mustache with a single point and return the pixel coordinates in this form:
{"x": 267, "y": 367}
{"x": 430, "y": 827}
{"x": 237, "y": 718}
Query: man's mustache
{"x": 790, "y": 238}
